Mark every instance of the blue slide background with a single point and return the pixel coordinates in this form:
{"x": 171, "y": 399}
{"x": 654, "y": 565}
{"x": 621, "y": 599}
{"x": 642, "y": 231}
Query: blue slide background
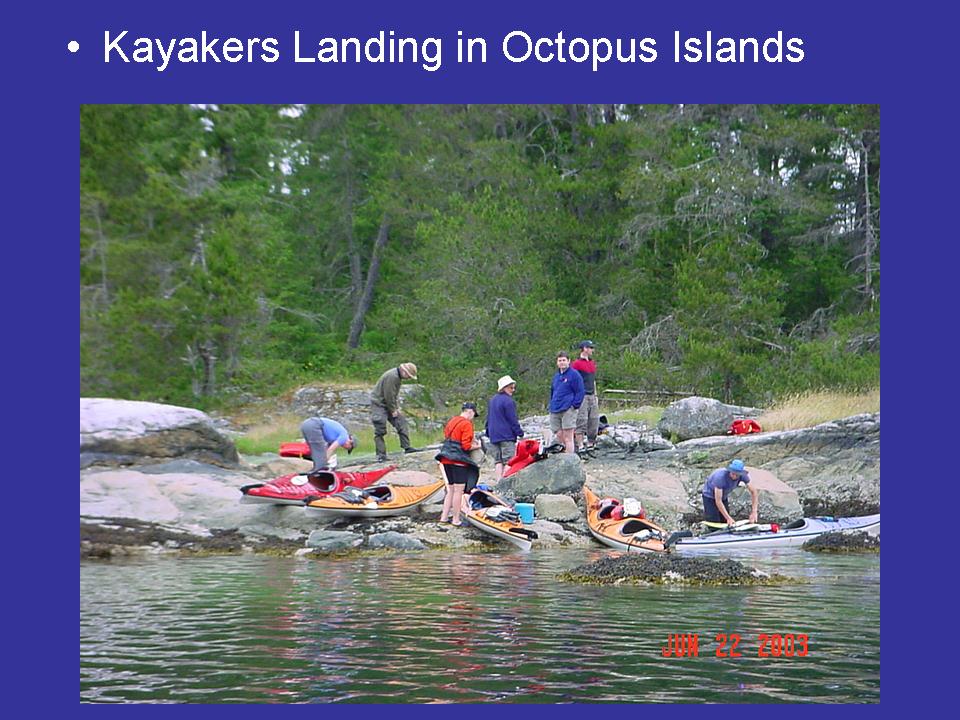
{"x": 855, "y": 53}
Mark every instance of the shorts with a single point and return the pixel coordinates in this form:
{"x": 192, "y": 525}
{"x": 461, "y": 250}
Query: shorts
{"x": 466, "y": 475}
{"x": 566, "y": 420}
{"x": 503, "y": 451}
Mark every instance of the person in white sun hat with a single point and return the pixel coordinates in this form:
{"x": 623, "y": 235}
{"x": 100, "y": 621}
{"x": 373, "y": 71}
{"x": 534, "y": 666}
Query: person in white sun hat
{"x": 503, "y": 427}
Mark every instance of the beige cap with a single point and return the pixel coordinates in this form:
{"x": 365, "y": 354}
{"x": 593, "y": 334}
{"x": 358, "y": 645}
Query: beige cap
{"x": 410, "y": 370}
{"x": 504, "y": 381}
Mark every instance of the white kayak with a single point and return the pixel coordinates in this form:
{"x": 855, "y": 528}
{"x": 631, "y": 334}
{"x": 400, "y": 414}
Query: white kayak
{"x": 762, "y": 536}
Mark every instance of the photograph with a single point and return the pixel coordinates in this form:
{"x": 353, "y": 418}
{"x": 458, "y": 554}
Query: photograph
{"x": 419, "y": 403}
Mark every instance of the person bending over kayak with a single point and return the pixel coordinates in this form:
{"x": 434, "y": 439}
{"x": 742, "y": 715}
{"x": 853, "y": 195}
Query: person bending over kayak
{"x": 325, "y": 436}
{"x": 718, "y": 487}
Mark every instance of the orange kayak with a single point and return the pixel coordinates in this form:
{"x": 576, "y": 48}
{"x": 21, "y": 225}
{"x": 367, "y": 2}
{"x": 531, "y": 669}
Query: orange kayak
{"x": 375, "y": 501}
{"x": 629, "y": 534}
{"x": 483, "y": 516}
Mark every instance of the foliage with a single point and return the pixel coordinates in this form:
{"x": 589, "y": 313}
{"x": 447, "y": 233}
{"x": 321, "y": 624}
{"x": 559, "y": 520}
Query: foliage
{"x": 234, "y": 251}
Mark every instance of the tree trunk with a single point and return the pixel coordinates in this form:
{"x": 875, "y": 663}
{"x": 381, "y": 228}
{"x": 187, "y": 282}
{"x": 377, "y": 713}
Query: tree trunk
{"x": 869, "y": 239}
{"x": 366, "y": 299}
{"x": 356, "y": 275}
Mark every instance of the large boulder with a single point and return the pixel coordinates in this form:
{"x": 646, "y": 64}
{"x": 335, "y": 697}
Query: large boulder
{"x": 695, "y": 417}
{"x": 633, "y": 437}
{"x": 778, "y": 501}
{"x": 669, "y": 488}
{"x": 834, "y": 467}
{"x": 661, "y": 490}
{"x": 195, "y": 497}
{"x": 555, "y": 475}
{"x": 121, "y": 431}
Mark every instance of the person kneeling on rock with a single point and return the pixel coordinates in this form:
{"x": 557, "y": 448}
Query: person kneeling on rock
{"x": 716, "y": 490}
{"x": 325, "y": 436}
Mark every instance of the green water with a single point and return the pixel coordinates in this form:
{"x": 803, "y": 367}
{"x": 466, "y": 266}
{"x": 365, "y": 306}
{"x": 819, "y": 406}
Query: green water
{"x": 443, "y": 627}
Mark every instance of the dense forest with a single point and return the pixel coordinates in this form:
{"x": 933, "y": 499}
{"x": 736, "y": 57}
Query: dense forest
{"x": 233, "y": 252}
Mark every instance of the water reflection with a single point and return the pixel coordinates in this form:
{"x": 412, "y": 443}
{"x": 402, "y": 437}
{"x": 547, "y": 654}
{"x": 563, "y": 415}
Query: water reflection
{"x": 434, "y": 627}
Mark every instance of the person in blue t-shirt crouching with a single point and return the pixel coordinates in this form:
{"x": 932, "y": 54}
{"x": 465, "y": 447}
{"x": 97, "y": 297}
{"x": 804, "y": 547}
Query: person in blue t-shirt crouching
{"x": 718, "y": 487}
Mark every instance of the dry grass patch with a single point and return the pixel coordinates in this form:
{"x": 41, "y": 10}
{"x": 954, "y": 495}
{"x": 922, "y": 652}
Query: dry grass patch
{"x": 266, "y": 436}
{"x": 801, "y": 411}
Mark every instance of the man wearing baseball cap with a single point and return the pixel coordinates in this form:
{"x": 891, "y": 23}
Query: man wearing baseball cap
{"x": 718, "y": 487}
{"x": 588, "y": 417}
{"x": 385, "y": 407}
{"x": 503, "y": 427}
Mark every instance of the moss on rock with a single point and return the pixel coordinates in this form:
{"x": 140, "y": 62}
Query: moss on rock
{"x": 667, "y": 569}
{"x": 844, "y": 542}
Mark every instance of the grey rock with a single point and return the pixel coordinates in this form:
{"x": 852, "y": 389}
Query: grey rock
{"x": 556, "y": 507}
{"x": 834, "y": 467}
{"x": 123, "y": 428}
{"x": 258, "y": 530}
{"x": 333, "y": 540}
{"x": 395, "y": 540}
{"x": 695, "y": 417}
{"x": 557, "y": 474}
{"x": 552, "y": 534}
{"x": 633, "y": 437}
{"x": 199, "y": 501}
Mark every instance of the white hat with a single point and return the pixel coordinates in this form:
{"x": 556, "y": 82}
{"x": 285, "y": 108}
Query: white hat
{"x": 504, "y": 381}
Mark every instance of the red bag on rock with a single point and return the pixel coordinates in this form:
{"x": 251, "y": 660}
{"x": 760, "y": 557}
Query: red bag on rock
{"x": 744, "y": 427}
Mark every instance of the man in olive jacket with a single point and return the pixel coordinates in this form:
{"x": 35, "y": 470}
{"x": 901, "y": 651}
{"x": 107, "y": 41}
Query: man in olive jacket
{"x": 385, "y": 407}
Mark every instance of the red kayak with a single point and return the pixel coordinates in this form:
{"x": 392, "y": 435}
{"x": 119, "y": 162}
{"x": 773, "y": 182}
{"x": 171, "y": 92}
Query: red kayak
{"x": 295, "y": 489}
{"x": 295, "y": 449}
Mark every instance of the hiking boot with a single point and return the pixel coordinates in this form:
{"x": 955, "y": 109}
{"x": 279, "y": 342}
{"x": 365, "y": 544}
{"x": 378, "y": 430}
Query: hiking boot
{"x": 381, "y": 458}
{"x": 411, "y": 450}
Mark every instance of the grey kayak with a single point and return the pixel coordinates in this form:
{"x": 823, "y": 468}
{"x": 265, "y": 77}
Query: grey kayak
{"x": 794, "y": 534}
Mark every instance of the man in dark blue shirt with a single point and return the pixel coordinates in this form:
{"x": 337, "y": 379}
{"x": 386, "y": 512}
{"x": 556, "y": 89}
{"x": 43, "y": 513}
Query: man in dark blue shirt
{"x": 566, "y": 396}
{"x": 503, "y": 428}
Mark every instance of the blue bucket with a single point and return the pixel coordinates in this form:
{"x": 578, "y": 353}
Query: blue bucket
{"x": 526, "y": 512}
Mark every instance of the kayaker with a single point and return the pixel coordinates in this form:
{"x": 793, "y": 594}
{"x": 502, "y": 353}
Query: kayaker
{"x": 588, "y": 417}
{"x": 460, "y": 470}
{"x": 718, "y": 487}
{"x": 566, "y": 395}
{"x": 503, "y": 428}
{"x": 385, "y": 407}
{"x": 325, "y": 437}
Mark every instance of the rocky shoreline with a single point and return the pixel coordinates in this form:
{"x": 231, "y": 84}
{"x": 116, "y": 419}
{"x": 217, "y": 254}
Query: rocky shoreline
{"x": 161, "y": 479}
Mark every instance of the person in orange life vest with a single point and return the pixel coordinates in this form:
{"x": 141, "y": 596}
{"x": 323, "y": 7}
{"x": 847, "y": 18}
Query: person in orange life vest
{"x": 718, "y": 487}
{"x": 459, "y": 469}
{"x": 588, "y": 417}
{"x": 566, "y": 396}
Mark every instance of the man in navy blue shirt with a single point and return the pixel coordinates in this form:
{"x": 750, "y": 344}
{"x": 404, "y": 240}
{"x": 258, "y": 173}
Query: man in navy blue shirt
{"x": 566, "y": 396}
{"x": 503, "y": 428}
{"x": 718, "y": 487}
